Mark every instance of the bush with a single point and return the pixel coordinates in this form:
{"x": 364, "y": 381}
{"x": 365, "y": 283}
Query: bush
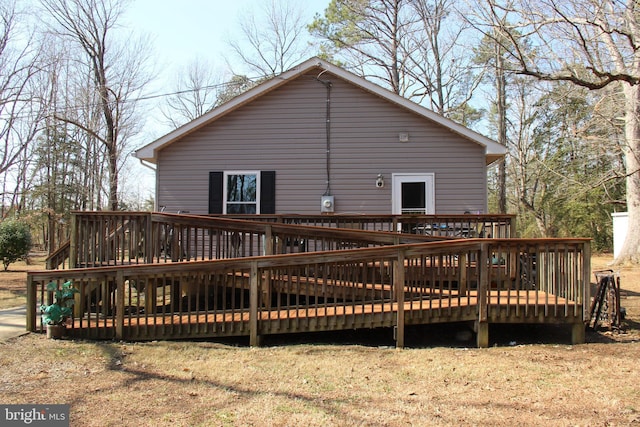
{"x": 15, "y": 241}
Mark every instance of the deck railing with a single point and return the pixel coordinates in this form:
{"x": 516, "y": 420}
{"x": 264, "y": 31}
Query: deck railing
{"x": 116, "y": 238}
{"x": 480, "y": 280}
{"x": 104, "y": 238}
{"x": 447, "y": 225}
{"x": 60, "y": 257}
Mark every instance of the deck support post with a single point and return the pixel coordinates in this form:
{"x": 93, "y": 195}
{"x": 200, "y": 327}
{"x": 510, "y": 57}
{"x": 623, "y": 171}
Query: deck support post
{"x": 398, "y": 284}
{"x": 119, "y": 305}
{"x": 78, "y": 306}
{"x": 254, "y": 337}
{"x": 482, "y": 334}
{"x": 482, "y": 325}
{"x": 586, "y": 282}
{"x": 31, "y": 304}
{"x": 577, "y": 333}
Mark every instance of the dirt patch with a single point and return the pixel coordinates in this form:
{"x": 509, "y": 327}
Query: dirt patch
{"x": 528, "y": 376}
{"x": 13, "y": 282}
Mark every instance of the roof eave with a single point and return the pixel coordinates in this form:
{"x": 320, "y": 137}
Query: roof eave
{"x": 493, "y": 150}
{"x": 149, "y": 151}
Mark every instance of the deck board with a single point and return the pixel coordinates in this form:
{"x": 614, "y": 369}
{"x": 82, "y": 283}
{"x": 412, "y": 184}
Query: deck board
{"x": 524, "y": 306}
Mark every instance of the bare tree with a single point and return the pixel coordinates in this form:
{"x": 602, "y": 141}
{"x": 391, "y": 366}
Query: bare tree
{"x": 117, "y": 69}
{"x": 491, "y": 55}
{"x": 20, "y": 115}
{"x": 273, "y": 38}
{"x": 589, "y": 43}
{"x": 440, "y": 62}
{"x": 372, "y": 36}
{"x": 196, "y": 92}
{"x": 416, "y": 48}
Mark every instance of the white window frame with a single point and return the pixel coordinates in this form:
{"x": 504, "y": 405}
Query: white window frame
{"x": 225, "y": 180}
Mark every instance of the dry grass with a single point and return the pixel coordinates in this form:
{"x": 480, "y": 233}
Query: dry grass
{"x": 338, "y": 379}
{"x": 13, "y": 286}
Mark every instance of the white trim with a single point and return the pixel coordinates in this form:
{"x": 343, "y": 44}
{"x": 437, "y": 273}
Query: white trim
{"x": 149, "y": 152}
{"x": 225, "y": 175}
{"x": 429, "y": 178}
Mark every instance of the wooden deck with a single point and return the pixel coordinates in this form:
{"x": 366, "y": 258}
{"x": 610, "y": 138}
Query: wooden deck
{"x": 344, "y": 279}
{"x": 527, "y": 306}
{"x": 504, "y": 307}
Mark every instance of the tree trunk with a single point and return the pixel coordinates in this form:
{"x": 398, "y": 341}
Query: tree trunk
{"x": 501, "y": 104}
{"x": 630, "y": 251}
{"x": 113, "y": 180}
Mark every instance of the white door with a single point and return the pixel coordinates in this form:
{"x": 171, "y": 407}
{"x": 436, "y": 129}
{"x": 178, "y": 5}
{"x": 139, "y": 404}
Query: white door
{"x": 413, "y": 193}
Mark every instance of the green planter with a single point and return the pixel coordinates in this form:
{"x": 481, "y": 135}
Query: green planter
{"x": 55, "y": 315}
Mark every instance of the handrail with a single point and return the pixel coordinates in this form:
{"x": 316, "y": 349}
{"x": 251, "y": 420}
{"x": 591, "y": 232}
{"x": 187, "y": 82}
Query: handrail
{"x": 480, "y": 280}
{"x": 59, "y": 256}
{"x": 116, "y": 238}
{"x": 102, "y": 238}
{"x": 457, "y": 225}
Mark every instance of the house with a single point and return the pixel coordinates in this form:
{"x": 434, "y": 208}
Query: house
{"x": 318, "y": 138}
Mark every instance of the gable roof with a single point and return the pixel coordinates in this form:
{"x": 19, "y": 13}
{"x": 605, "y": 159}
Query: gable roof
{"x": 493, "y": 150}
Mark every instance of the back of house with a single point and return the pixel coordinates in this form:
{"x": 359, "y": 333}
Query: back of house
{"x": 318, "y": 139}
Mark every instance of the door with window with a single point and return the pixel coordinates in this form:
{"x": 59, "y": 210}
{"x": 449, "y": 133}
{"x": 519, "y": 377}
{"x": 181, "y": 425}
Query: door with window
{"x": 413, "y": 193}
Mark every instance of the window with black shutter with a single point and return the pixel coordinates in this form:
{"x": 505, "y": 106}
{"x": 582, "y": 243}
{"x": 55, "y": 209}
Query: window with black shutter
{"x": 240, "y": 192}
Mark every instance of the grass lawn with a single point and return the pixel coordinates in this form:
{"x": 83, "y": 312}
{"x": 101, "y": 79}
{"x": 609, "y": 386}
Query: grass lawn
{"x": 529, "y": 376}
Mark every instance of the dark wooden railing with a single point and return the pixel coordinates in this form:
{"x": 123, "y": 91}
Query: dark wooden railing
{"x": 117, "y": 238}
{"x": 60, "y": 257}
{"x": 479, "y": 280}
{"x": 447, "y": 225}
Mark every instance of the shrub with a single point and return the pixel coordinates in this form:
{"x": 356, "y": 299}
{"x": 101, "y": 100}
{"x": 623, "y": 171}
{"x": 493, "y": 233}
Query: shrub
{"x": 15, "y": 241}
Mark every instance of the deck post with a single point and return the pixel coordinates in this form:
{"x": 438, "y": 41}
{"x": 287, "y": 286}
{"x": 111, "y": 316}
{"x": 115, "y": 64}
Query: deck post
{"x": 586, "y": 281}
{"x": 254, "y": 337}
{"x": 482, "y": 334}
{"x": 462, "y": 267}
{"x": 148, "y": 246}
{"x": 119, "y": 305}
{"x": 512, "y": 228}
{"x": 78, "y": 306}
{"x": 31, "y": 304}
{"x": 268, "y": 237}
{"x": 482, "y": 325}
{"x": 578, "y": 333}
{"x": 73, "y": 241}
{"x": 398, "y": 284}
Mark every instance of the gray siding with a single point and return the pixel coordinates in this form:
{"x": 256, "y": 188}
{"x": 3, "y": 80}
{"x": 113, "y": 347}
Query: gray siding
{"x": 284, "y": 131}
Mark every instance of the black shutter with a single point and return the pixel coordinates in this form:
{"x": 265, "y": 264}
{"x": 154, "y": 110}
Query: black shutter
{"x": 215, "y": 192}
{"x": 268, "y": 192}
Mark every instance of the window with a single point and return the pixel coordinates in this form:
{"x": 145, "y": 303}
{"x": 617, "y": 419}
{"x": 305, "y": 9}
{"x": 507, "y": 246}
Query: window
{"x": 242, "y": 193}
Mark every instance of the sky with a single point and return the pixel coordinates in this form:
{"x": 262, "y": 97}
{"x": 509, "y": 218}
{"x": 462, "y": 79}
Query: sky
{"x": 180, "y": 32}
{"x": 184, "y": 30}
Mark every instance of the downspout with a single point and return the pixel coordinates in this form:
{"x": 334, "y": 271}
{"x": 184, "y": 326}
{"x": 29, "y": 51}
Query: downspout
{"x": 155, "y": 170}
{"x": 147, "y": 165}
